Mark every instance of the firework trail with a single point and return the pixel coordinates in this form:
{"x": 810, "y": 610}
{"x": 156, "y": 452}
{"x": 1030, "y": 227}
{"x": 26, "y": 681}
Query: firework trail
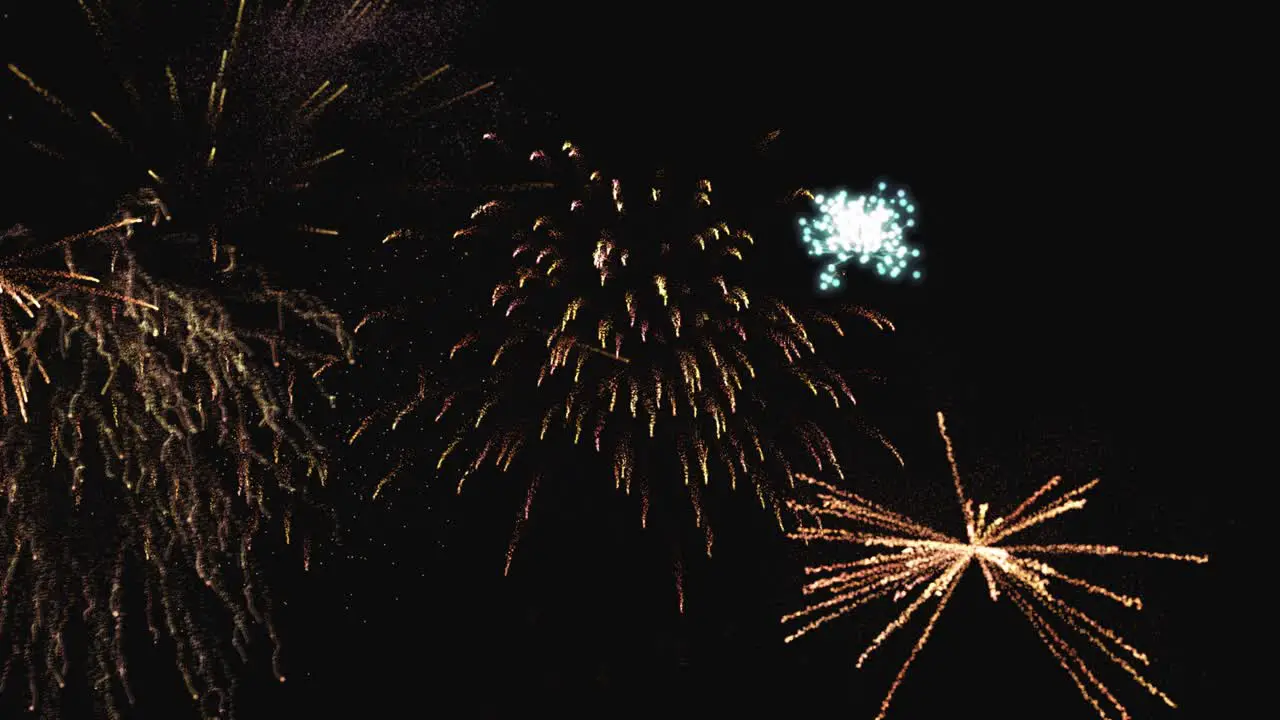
{"x": 925, "y": 564}
{"x": 619, "y": 321}
{"x": 148, "y": 444}
{"x": 231, "y": 112}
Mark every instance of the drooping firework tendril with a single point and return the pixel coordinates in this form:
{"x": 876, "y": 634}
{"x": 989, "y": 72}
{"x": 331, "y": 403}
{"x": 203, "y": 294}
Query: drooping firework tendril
{"x": 149, "y": 442}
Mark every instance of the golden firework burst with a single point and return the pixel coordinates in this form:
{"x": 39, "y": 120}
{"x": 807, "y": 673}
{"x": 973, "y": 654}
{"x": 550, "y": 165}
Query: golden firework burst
{"x": 927, "y": 564}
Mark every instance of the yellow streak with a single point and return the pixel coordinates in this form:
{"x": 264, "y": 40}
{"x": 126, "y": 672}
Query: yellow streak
{"x": 98, "y": 230}
{"x": 331, "y": 98}
{"x": 955, "y": 475}
{"x": 314, "y": 95}
{"x": 318, "y": 230}
{"x": 50, "y": 97}
{"x": 105, "y": 125}
{"x": 173, "y": 89}
{"x": 222, "y": 99}
{"x": 324, "y": 158}
{"x": 425, "y": 79}
{"x": 235, "y": 34}
{"x": 477, "y": 89}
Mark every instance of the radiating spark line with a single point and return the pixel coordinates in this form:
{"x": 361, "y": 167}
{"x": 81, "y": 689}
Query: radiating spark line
{"x": 318, "y": 230}
{"x": 336, "y": 94}
{"x": 324, "y": 158}
{"x": 235, "y": 33}
{"x": 424, "y": 80}
{"x": 314, "y": 95}
{"x": 173, "y": 90}
{"x": 473, "y": 91}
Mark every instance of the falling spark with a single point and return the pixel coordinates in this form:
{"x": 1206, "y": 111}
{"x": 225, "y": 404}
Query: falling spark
{"x": 473, "y": 91}
{"x": 50, "y": 97}
{"x": 106, "y": 126}
{"x": 521, "y": 520}
{"x": 388, "y": 478}
{"x": 324, "y": 158}
{"x": 173, "y": 90}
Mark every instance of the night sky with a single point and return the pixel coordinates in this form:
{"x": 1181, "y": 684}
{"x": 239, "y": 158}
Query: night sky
{"x": 1054, "y": 327}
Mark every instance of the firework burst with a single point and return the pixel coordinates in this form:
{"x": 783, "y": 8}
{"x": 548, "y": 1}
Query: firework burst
{"x": 148, "y": 443}
{"x": 229, "y": 112}
{"x": 926, "y": 565}
{"x": 619, "y": 320}
{"x": 867, "y": 229}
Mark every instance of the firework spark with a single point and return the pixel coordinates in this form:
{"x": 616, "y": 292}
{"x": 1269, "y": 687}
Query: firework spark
{"x": 928, "y": 564}
{"x": 869, "y": 229}
{"x": 153, "y": 449}
{"x": 619, "y": 320}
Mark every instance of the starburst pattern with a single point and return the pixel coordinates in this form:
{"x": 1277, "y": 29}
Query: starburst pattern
{"x": 926, "y": 565}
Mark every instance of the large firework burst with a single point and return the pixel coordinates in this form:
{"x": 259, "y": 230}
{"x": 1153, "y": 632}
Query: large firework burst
{"x": 619, "y": 320}
{"x": 232, "y": 113}
{"x": 921, "y": 561}
{"x": 148, "y": 442}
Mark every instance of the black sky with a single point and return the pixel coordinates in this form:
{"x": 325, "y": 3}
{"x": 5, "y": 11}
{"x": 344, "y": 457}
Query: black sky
{"x": 1054, "y": 326}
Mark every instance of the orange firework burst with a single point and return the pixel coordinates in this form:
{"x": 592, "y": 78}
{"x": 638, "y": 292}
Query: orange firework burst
{"x": 929, "y": 564}
{"x": 156, "y": 444}
{"x": 620, "y": 321}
